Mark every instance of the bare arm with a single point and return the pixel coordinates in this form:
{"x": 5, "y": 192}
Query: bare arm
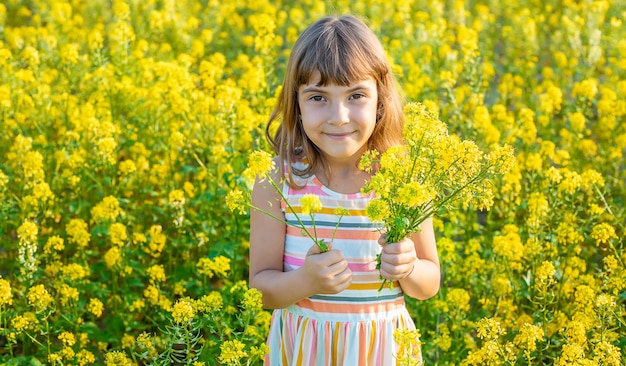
{"x": 321, "y": 273}
{"x": 414, "y": 262}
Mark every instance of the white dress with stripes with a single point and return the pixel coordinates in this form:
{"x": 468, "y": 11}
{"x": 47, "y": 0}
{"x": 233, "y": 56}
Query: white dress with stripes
{"x": 356, "y": 326}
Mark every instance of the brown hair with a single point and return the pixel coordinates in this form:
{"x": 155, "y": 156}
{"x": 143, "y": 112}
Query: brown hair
{"x": 343, "y": 50}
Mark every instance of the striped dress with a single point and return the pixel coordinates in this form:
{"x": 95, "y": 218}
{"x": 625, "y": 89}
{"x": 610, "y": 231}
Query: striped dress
{"x": 354, "y": 327}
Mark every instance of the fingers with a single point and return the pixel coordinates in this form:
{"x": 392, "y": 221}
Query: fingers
{"x": 328, "y": 271}
{"x": 398, "y": 259}
{"x": 396, "y": 272}
{"x": 315, "y": 249}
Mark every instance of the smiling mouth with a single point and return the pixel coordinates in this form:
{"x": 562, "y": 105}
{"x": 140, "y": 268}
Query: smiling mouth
{"x": 339, "y": 135}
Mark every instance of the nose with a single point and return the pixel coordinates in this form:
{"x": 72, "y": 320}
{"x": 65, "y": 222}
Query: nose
{"x": 339, "y": 114}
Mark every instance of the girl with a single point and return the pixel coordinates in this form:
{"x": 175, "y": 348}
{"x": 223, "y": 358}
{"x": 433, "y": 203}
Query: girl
{"x": 339, "y": 99}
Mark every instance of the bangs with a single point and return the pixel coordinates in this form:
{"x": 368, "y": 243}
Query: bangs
{"x": 340, "y": 54}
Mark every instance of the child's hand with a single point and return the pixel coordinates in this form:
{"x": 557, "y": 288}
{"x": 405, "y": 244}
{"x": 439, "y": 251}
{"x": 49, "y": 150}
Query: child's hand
{"x": 327, "y": 272}
{"x": 397, "y": 260}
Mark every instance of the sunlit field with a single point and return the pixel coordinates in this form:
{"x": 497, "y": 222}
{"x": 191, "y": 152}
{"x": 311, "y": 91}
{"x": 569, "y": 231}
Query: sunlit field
{"x": 123, "y": 126}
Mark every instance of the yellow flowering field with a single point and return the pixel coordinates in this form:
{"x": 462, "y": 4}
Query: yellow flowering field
{"x": 124, "y": 124}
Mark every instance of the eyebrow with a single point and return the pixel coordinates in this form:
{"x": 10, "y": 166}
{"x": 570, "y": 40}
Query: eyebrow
{"x": 315, "y": 89}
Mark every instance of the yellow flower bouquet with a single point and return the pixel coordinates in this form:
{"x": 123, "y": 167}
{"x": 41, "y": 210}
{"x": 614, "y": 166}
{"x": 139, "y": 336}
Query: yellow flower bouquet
{"x": 432, "y": 171}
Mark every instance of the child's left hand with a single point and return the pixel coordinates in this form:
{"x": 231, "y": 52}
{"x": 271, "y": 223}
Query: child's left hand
{"x": 397, "y": 260}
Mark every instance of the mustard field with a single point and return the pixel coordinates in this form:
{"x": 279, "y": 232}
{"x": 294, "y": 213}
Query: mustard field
{"x": 125, "y": 124}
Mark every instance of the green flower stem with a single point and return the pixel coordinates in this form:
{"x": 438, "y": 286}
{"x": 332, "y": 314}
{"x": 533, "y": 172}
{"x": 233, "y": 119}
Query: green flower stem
{"x": 416, "y": 149}
{"x": 608, "y": 209}
{"x": 320, "y": 243}
{"x": 323, "y": 247}
{"x": 337, "y": 226}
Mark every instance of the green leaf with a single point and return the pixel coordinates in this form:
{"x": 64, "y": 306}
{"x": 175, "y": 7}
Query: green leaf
{"x": 25, "y": 360}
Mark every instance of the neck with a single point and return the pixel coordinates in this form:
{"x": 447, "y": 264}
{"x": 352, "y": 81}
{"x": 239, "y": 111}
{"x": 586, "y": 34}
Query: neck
{"x": 342, "y": 178}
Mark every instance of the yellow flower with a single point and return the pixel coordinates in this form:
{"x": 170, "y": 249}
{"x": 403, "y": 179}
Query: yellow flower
{"x": 6, "y": 297}
{"x": 177, "y": 198}
{"x": 369, "y": 160}
{"x": 117, "y": 358}
{"x": 156, "y": 273}
{"x": 151, "y": 293}
{"x": 95, "y": 307}
{"x": 501, "y": 285}
{"x": 183, "y": 311}
{"x": 528, "y": 336}
{"x": 219, "y": 266}
{"x": 67, "y": 338}
{"x": 84, "y": 357}
{"x": 459, "y": 298}
{"x": 67, "y": 294}
{"x": 27, "y": 232}
{"x": 409, "y": 346}
{"x": 77, "y": 231}
{"x": 415, "y": 194}
{"x": 377, "y": 210}
{"x": 67, "y": 353}
{"x": 54, "y": 243}
{"x": 606, "y": 353}
{"x": 605, "y": 302}
{"x": 139, "y": 238}
{"x": 75, "y": 271}
{"x": 5, "y": 101}
{"x": 253, "y": 300}
{"x": 113, "y": 257}
{"x": 55, "y": 358}
{"x": 117, "y": 233}
{"x": 232, "y": 352}
{"x": 127, "y": 167}
{"x": 42, "y": 192}
{"x": 157, "y": 240}
{"x": 138, "y": 304}
{"x": 590, "y": 178}
{"x": 107, "y": 209}
{"x": 39, "y": 297}
{"x": 489, "y": 328}
{"x": 69, "y": 53}
{"x": 537, "y": 208}
{"x": 128, "y": 341}
{"x": 27, "y": 321}
{"x": 189, "y": 189}
{"x": 576, "y": 332}
{"x": 33, "y": 167}
{"x": 235, "y": 201}
{"x": 444, "y": 341}
{"x": 544, "y": 274}
{"x": 577, "y": 122}
{"x": 587, "y": 88}
{"x": 311, "y": 204}
{"x": 260, "y": 164}
{"x": 145, "y": 342}
{"x": 603, "y": 233}
{"x": 509, "y": 246}
{"x": 121, "y": 10}
{"x": 259, "y": 351}
{"x": 211, "y": 302}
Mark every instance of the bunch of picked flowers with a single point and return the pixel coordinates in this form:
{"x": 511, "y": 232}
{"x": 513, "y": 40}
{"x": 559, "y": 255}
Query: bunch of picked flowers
{"x": 261, "y": 165}
{"x": 432, "y": 171}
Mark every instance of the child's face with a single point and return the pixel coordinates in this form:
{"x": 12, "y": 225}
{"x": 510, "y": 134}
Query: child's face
{"x": 339, "y": 120}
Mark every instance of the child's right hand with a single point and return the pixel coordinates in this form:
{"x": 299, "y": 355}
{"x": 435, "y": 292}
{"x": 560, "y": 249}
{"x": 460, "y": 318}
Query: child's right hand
{"x": 327, "y": 272}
